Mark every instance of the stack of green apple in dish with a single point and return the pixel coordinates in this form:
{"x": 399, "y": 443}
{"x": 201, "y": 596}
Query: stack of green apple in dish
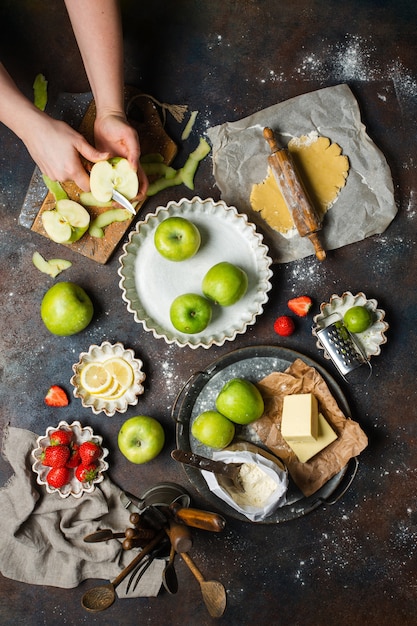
{"x": 178, "y": 239}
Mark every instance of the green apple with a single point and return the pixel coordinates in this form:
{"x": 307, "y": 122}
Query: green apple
{"x": 225, "y": 283}
{"x": 177, "y": 239}
{"x": 213, "y": 429}
{"x": 190, "y": 313}
{"x": 116, "y": 174}
{"x": 141, "y": 439}
{"x": 66, "y": 309}
{"x": 240, "y": 401}
{"x": 67, "y": 222}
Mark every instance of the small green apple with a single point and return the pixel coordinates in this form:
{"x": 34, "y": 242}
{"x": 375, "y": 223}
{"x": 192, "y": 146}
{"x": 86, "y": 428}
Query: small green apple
{"x": 177, "y": 239}
{"x": 67, "y": 222}
{"x": 213, "y": 429}
{"x": 240, "y": 401}
{"x": 190, "y": 313}
{"x": 66, "y": 309}
{"x": 225, "y": 283}
{"x": 141, "y": 439}
{"x": 116, "y": 174}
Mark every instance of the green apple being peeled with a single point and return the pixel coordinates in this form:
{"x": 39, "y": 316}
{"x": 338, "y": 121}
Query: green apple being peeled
{"x": 213, "y": 429}
{"x": 67, "y": 222}
{"x": 66, "y": 309}
{"x": 225, "y": 283}
{"x": 240, "y": 401}
{"x": 190, "y": 313}
{"x": 141, "y": 439}
{"x": 116, "y": 173}
{"x": 177, "y": 239}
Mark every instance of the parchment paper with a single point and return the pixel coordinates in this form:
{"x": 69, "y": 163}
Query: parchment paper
{"x": 365, "y": 205}
{"x": 301, "y": 378}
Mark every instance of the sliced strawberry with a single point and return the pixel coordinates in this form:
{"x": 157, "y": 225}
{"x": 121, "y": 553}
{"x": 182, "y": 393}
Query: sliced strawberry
{"x": 284, "y": 326}
{"x": 86, "y": 473}
{"x": 56, "y": 396}
{"x": 300, "y": 306}
{"x": 58, "y": 477}
{"x": 55, "y": 456}
{"x": 89, "y": 452}
{"x": 60, "y": 437}
{"x": 74, "y": 458}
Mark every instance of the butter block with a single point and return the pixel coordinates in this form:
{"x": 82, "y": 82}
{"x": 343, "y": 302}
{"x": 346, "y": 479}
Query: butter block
{"x": 299, "y": 422}
{"x": 326, "y": 435}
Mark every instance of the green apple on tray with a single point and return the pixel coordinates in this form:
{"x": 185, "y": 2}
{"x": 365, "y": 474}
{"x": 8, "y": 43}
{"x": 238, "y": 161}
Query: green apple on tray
{"x": 239, "y": 402}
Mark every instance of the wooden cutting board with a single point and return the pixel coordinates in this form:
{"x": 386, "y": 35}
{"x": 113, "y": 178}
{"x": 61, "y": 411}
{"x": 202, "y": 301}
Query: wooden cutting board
{"x": 144, "y": 116}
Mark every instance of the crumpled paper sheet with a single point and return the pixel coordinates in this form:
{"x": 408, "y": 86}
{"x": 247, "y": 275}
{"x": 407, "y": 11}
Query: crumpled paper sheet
{"x": 41, "y": 534}
{"x": 351, "y": 441}
{"x": 366, "y": 204}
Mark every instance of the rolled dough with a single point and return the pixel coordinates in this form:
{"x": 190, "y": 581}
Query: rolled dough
{"x": 323, "y": 170}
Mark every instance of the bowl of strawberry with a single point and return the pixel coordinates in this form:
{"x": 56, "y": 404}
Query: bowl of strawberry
{"x": 69, "y": 459}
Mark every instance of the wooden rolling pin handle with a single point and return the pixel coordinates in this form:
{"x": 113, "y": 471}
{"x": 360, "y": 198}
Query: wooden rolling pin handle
{"x": 319, "y": 250}
{"x": 270, "y": 137}
{"x": 179, "y": 536}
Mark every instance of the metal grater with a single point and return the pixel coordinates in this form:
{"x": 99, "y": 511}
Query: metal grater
{"x": 343, "y": 350}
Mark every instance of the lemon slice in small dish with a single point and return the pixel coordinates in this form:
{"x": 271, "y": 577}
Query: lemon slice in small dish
{"x": 108, "y": 378}
{"x": 120, "y": 371}
{"x": 95, "y": 378}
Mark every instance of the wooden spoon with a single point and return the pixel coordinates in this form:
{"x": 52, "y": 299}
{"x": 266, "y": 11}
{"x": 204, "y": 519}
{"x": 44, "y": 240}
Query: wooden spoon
{"x": 214, "y": 594}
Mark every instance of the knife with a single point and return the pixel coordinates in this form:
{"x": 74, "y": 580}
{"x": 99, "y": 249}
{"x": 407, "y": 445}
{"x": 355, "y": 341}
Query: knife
{"x": 118, "y": 197}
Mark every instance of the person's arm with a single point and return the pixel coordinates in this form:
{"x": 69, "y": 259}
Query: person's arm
{"x": 98, "y": 30}
{"x": 54, "y": 146}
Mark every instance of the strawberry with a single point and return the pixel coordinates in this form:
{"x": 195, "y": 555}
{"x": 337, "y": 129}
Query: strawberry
{"x": 300, "y": 306}
{"x": 56, "y": 396}
{"x": 284, "y": 326}
{"x": 55, "y": 456}
{"x": 74, "y": 458}
{"x": 89, "y": 452}
{"x": 58, "y": 477}
{"x": 60, "y": 437}
{"x": 86, "y": 473}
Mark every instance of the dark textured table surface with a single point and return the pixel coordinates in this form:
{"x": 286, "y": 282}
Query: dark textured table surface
{"x": 350, "y": 563}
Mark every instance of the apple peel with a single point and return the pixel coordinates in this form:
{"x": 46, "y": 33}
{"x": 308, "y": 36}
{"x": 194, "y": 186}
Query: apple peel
{"x": 185, "y": 175}
{"x": 53, "y": 267}
{"x": 105, "y": 219}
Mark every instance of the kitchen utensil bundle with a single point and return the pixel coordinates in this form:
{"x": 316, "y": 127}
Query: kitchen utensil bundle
{"x": 161, "y": 525}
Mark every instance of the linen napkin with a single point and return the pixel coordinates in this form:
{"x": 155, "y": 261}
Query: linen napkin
{"x": 41, "y": 534}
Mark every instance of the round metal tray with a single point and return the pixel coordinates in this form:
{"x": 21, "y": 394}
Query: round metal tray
{"x": 252, "y": 363}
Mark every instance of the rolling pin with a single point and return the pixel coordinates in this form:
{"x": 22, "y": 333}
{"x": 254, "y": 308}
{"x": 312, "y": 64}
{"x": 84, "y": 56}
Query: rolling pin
{"x": 304, "y": 214}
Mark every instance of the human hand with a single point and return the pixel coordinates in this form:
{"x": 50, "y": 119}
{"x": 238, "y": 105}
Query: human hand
{"x": 56, "y": 148}
{"x": 115, "y": 135}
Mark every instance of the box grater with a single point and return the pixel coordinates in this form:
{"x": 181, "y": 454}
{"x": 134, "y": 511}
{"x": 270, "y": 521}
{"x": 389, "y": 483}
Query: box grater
{"x": 344, "y": 351}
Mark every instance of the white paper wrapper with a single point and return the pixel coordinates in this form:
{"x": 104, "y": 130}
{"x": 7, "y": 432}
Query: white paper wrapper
{"x": 273, "y": 470}
{"x": 366, "y": 204}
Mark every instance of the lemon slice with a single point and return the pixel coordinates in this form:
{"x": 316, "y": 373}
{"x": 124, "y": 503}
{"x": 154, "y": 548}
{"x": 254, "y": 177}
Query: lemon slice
{"x": 95, "y": 378}
{"x": 120, "y": 371}
{"x": 117, "y": 392}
